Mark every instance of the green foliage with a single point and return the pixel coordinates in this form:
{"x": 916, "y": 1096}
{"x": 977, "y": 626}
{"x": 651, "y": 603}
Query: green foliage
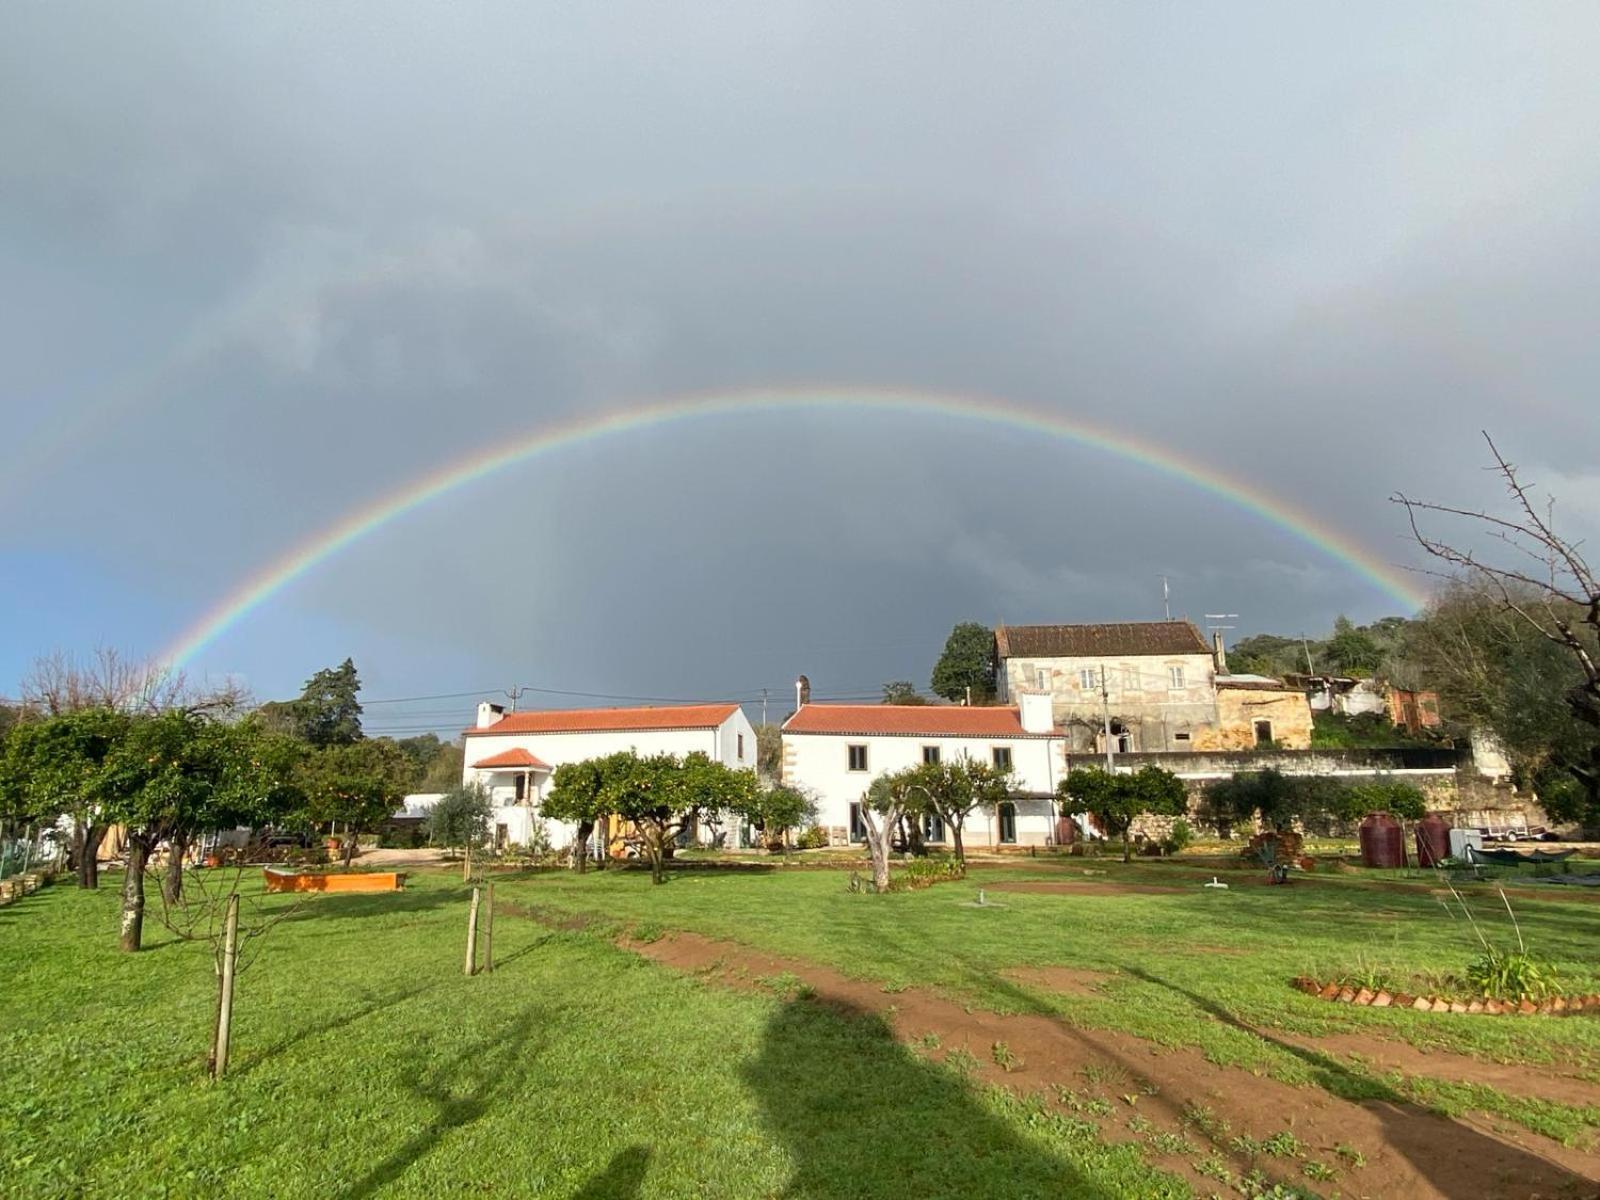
{"x": 358, "y": 785}
{"x": 1351, "y": 651}
{"x": 922, "y": 873}
{"x": 1116, "y": 801}
{"x": 769, "y": 750}
{"x": 1509, "y": 975}
{"x": 576, "y": 791}
{"x": 1179, "y": 838}
{"x": 57, "y": 765}
{"x": 902, "y": 691}
{"x": 1403, "y": 800}
{"x": 461, "y": 817}
{"x": 327, "y": 712}
{"x": 1496, "y": 671}
{"x": 814, "y": 838}
{"x": 1361, "y": 731}
{"x": 967, "y": 662}
{"x": 1280, "y": 799}
{"x": 777, "y": 809}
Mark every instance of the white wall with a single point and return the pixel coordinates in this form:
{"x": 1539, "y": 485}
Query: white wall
{"x": 721, "y": 744}
{"x": 819, "y": 763}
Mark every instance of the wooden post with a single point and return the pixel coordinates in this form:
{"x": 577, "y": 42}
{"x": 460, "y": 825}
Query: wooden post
{"x": 466, "y": 863}
{"x": 488, "y": 929}
{"x": 472, "y": 935}
{"x": 230, "y": 960}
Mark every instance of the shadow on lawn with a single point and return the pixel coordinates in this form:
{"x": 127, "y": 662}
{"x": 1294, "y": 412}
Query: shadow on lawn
{"x": 459, "y": 1088}
{"x": 621, "y": 1179}
{"x": 1458, "y": 1160}
{"x": 860, "y": 1115}
{"x": 355, "y": 905}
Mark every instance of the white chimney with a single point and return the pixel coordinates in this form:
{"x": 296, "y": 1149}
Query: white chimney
{"x": 1033, "y": 708}
{"x": 489, "y": 714}
{"x": 802, "y": 693}
{"x": 1219, "y": 652}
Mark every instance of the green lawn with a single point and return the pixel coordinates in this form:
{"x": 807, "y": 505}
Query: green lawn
{"x": 365, "y": 1063}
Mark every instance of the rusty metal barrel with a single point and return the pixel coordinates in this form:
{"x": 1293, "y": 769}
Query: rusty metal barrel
{"x": 1382, "y": 842}
{"x": 1433, "y": 840}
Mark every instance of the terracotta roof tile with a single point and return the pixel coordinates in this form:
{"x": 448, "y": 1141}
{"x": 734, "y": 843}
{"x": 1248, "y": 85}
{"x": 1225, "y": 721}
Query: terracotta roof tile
{"x": 911, "y": 720}
{"x": 516, "y": 757}
{"x": 609, "y": 720}
{"x": 1089, "y": 641}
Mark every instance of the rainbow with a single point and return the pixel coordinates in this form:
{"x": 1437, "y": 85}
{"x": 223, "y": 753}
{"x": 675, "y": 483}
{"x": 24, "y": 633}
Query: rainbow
{"x": 261, "y": 586}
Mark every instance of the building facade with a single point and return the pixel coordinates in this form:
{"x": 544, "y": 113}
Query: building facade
{"x": 513, "y": 755}
{"x": 834, "y": 752}
{"x": 1153, "y": 682}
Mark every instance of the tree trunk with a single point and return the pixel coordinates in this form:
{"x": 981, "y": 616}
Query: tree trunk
{"x": 133, "y": 894}
{"x": 172, "y": 882}
{"x": 603, "y": 824}
{"x": 88, "y": 853}
{"x": 349, "y": 847}
{"x": 879, "y": 835}
{"x": 580, "y": 848}
{"x": 1127, "y": 844}
{"x": 955, "y": 832}
{"x": 230, "y": 963}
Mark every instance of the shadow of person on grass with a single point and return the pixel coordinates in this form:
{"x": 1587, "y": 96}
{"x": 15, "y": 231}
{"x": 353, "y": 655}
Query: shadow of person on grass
{"x": 458, "y": 1089}
{"x": 1456, "y": 1159}
{"x": 862, "y": 1116}
{"x": 620, "y": 1180}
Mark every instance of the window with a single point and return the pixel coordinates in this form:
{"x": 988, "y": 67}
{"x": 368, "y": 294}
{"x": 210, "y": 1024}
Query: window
{"x": 1042, "y": 679}
{"x": 1180, "y": 737}
{"x": 741, "y": 747}
{"x": 521, "y": 788}
{"x": 1130, "y": 679}
{"x": 1263, "y": 732}
{"x": 1088, "y": 679}
{"x": 930, "y": 754}
{"x": 858, "y": 827}
{"x": 1175, "y": 678}
{"x": 857, "y": 757}
{"x": 1008, "y": 823}
{"x": 932, "y": 828}
{"x": 1002, "y": 758}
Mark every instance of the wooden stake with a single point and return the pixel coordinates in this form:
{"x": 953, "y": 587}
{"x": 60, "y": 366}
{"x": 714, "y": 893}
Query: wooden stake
{"x": 488, "y": 929}
{"x": 230, "y": 960}
{"x": 472, "y": 935}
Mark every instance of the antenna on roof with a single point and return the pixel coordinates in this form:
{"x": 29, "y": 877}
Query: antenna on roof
{"x": 1166, "y": 598}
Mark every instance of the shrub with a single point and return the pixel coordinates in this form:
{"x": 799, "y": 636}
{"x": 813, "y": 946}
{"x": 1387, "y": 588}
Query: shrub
{"x": 815, "y": 838}
{"x": 1179, "y": 838}
{"x": 1512, "y": 975}
{"x": 925, "y": 872}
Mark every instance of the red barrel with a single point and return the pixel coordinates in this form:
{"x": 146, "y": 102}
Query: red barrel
{"x": 1382, "y": 842}
{"x": 1433, "y": 840}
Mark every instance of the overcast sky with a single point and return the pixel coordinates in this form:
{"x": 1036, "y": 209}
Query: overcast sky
{"x": 261, "y": 264}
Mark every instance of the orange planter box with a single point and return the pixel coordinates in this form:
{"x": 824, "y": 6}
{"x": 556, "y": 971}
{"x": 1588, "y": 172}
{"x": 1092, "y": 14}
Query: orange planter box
{"x": 309, "y": 881}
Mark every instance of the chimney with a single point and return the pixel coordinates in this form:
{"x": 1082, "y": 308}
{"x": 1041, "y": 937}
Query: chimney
{"x": 489, "y": 714}
{"x": 1218, "y": 652}
{"x": 1033, "y": 709}
{"x": 802, "y": 693}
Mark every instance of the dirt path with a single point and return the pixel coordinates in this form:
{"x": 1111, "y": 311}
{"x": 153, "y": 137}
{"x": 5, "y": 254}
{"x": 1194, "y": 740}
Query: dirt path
{"x": 1408, "y": 1152}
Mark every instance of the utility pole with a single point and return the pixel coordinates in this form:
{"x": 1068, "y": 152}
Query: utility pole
{"x": 763, "y": 706}
{"x": 515, "y": 692}
{"x": 1306, "y": 646}
{"x": 1105, "y": 713}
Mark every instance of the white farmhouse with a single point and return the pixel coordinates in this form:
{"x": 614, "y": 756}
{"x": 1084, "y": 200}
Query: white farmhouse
{"x": 513, "y": 755}
{"x": 835, "y": 751}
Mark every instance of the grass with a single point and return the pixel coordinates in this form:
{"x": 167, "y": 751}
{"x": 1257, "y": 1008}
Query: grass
{"x": 366, "y": 1064}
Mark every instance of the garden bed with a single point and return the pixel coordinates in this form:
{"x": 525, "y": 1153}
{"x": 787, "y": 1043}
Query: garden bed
{"x": 1343, "y": 993}
{"x": 320, "y": 881}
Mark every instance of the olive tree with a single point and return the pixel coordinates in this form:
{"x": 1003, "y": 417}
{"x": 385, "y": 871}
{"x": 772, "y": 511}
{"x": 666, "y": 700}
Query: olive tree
{"x": 1116, "y": 801}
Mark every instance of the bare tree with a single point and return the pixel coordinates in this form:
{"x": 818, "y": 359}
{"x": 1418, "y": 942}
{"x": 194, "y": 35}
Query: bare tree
{"x": 60, "y": 682}
{"x": 215, "y": 909}
{"x": 1537, "y": 575}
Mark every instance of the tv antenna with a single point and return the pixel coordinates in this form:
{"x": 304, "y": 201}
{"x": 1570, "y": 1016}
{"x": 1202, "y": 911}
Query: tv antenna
{"x": 1166, "y": 598}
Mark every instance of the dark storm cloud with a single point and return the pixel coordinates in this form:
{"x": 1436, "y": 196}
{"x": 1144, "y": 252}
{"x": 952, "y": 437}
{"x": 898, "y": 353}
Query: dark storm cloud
{"x": 267, "y": 265}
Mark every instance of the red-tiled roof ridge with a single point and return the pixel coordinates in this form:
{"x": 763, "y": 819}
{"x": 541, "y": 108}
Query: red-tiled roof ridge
{"x": 514, "y": 757}
{"x": 908, "y": 720}
{"x": 1130, "y": 638}
{"x": 607, "y": 720}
